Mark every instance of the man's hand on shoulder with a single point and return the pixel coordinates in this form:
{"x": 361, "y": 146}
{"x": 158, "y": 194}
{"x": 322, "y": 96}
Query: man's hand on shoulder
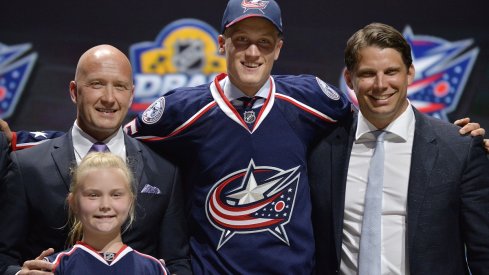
{"x": 6, "y": 130}
{"x": 38, "y": 266}
{"x": 473, "y": 128}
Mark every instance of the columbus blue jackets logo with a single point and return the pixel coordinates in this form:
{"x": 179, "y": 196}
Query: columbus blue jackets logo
{"x": 253, "y": 200}
{"x": 254, "y": 4}
{"x": 184, "y": 54}
{"x": 442, "y": 69}
{"x": 14, "y": 73}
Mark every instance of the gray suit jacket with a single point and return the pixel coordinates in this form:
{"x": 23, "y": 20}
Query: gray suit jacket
{"x": 33, "y": 213}
{"x": 448, "y": 199}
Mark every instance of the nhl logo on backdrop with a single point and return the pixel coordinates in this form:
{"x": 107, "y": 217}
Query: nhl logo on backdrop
{"x": 184, "y": 54}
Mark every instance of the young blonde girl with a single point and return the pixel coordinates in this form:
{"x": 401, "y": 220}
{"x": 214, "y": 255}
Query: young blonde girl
{"x": 101, "y": 203}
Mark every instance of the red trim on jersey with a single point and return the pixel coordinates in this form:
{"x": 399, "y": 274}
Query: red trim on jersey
{"x": 174, "y": 133}
{"x": 231, "y": 106}
{"x": 280, "y": 96}
{"x": 13, "y": 143}
{"x": 60, "y": 256}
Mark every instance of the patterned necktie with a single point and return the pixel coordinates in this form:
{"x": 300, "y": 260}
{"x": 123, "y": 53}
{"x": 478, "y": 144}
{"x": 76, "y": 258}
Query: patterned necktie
{"x": 247, "y": 112}
{"x": 99, "y": 147}
{"x": 370, "y": 239}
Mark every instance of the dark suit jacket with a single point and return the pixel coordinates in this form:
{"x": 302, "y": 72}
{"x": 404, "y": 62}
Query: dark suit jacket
{"x": 34, "y": 214}
{"x": 4, "y": 157}
{"x": 448, "y": 199}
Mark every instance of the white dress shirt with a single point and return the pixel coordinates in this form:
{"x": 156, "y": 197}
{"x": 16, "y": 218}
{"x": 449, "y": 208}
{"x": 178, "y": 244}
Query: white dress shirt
{"x": 82, "y": 142}
{"x": 398, "y": 148}
{"x": 232, "y": 93}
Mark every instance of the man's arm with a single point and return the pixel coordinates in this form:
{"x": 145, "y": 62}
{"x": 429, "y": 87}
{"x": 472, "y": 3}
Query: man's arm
{"x": 14, "y": 215}
{"x": 4, "y": 156}
{"x": 475, "y": 208}
{"x": 174, "y": 239}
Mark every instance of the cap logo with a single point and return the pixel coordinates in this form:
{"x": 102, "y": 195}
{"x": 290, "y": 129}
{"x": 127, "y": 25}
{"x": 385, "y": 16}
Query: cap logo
{"x": 254, "y": 4}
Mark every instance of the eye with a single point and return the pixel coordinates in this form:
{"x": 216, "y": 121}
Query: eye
{"x": 366, "y": 74}
{"x": 96, "y": 85}
{"x": 92, "y": 195}
{"x": 121, "y": 87}
{"x": 264, "y": 42}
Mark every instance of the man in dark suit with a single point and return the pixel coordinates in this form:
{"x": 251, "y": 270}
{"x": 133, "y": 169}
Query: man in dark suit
{"x": 434, "y": 191}
{"x": 33, "y": 211}
{"x": 4, "y": 158}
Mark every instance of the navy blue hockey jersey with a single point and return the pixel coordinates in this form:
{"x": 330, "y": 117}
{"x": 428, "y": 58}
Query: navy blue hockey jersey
{"x": 81, "y": 259}
{"x": 249, "y": 197}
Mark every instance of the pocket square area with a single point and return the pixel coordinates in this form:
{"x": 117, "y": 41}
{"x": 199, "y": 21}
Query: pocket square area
{"x": 149, "y": 189}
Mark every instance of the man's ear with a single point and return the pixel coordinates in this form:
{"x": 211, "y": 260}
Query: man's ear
{"x": 73, "y": 89}
{"x": 411, "y": 73}
{"x": 280, "y": 43}
{"x": 222, "y": 41}
{"x": 347, "y": 76}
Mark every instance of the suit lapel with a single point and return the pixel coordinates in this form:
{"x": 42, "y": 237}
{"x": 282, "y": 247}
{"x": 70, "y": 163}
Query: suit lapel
{"x": 64, "y": 157}
{"x": 424, "y": 155}
{"x": 134, "y": 159}
{"x": 340, "y": 156}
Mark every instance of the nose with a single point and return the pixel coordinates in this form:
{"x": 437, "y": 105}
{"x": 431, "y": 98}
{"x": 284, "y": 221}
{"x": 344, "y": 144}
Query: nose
{"x": 380, "y": 82}
{"x": 104, "y": 203}
{"x": 252, "y": 50}
{"x": 108, "y": 95}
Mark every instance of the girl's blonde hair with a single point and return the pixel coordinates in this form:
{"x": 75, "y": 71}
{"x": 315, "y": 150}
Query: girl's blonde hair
{"x": 94, "y": 161}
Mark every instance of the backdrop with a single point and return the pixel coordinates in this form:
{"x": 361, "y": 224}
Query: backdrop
{"x": 315, "y": 35}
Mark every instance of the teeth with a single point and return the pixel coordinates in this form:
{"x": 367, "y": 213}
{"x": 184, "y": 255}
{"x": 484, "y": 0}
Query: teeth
{"x": 106, "y": 110}
{"x": 251, "y": 65}
{"x": 381, "y": 97}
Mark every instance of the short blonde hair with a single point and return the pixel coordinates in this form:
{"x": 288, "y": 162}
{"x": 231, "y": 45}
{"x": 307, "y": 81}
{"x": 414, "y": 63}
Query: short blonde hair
{"x": 89, "y": 163}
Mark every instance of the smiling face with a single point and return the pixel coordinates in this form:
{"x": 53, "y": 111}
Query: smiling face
{"x": 102, "y": 91}
{"x": 102, "y": 202}
{"x": 380, "y": 80}
{"x": 251, "y": 47}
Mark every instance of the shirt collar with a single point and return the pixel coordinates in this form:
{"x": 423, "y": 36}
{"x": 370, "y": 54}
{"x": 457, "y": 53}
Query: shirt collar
{"x": 397, "y": 130}
{"x": 82, "y": 142}
{"x": 232, "y": 92}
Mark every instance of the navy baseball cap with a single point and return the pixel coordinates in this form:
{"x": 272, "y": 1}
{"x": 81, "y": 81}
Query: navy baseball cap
{"x": 238, "y": 10}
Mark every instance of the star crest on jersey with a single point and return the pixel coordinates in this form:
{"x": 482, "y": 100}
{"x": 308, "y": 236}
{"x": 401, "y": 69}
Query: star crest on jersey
{"x": 154, "y": 112}
{"x": 253, "y": 200}
{"x": 327, "y": 90}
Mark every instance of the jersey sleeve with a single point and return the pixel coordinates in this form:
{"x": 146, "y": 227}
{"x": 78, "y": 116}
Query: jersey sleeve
{"x": 311, "y": 105}
{"x": 26, "y": 139}
{"x": 170, "y": 115}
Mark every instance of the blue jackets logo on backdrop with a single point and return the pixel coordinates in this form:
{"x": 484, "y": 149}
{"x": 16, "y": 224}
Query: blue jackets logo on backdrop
{"x": 442, "y": 69}
{"x": 14, "y": 73}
